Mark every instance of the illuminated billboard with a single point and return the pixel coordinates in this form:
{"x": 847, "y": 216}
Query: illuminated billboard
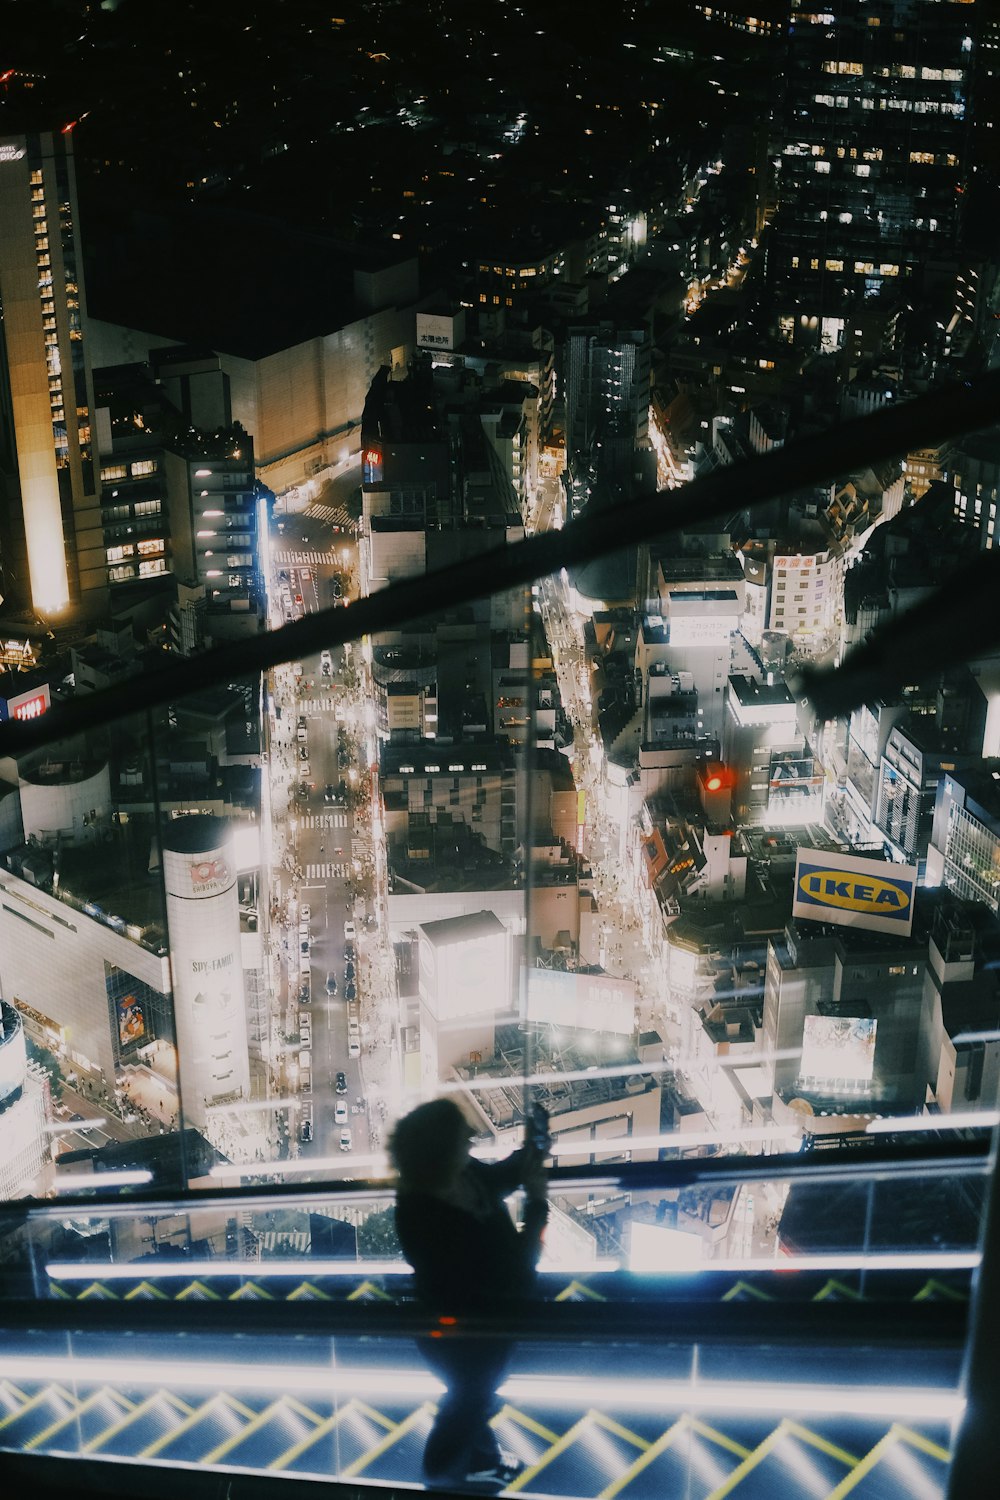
{"x": 29, "y": 705}
{"x": 838, "y": 1049}
{"x": 595, "y": 1002}
{"x": 854, "y": 892}
{"x": 131, "y": 1021}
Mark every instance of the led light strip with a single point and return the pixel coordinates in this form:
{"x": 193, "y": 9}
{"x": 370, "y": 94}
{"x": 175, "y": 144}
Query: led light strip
{"x": 937, "y": 1404}
{"x": 969, "y": 1119}
{"x": 77, "y": 1180}
{"x": 932, "y": 1260}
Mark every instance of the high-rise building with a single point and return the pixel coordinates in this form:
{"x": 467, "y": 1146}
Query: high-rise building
{"x": 872, "y": 161}
{"x": 52, "y": 561}
{"x": 606, "y": 389}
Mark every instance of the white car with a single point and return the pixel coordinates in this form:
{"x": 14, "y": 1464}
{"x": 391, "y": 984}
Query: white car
{"x": 350, "y": 932}
{"x": 305, "y": 912}
{"x": 326, "y": 660}
{"x": 346, "y": 1140}
{"x": 340, "y": 1113}
{"x": 354, "y": 1046}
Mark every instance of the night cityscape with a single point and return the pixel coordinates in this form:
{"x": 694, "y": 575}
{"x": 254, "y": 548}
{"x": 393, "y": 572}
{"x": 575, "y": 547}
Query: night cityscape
{"x": 317, "y": 802}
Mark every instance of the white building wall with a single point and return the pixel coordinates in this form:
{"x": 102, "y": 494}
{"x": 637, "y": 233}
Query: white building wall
{"x": 53, "y": 957}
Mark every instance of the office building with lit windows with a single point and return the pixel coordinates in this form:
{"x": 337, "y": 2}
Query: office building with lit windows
{"x": 871, "y": 162}
{"x": 52, "y": 561}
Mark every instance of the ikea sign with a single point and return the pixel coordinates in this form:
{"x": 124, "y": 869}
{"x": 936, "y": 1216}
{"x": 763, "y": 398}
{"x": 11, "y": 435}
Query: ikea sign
{"x": 854, "y": 892}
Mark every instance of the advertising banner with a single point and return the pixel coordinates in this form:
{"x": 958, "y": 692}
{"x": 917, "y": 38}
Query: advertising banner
{"x": 838, "y": 1049}
{"x": 854, "y": 892}
{"x": 131, "y": 1021}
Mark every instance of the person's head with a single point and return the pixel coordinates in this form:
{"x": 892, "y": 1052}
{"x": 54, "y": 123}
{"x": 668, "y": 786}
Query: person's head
{"x": 429, "y": 1146}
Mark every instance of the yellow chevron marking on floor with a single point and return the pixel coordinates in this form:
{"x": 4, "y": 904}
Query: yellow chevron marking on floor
{"x": 511, "y": 1413}
{"x": 98, "y": 1289}
{"x": 426, "y": 1408}
{"x": 36, "y": 1399}
{"x": 896, "y": 1434}
{"x": 369, "y": 1288}
{"x": 276, "y": 1408}
{"x": 146, "y": 1289}
{"x": 834, "y": 1288}
{"x": 683, "y": 1423}
{"x": 249, "y": 1289}
{"x": 197, "y": 1289}
{"x": 721, "y": 1439}
{"x": 745, "y": 1288}
{"x": 763, "y": 1449}
{"x": 104, "y": 1394}
{"x": 14, "y": 1390}
{"x": 578, "y": 1289}
{"x": 917, "y": 1440}
{"x": 158, "y": 1398}
{"x": 566, "y": 1441}
{"x": 645, "y": 1459}
{"x": 197, "y": 1415}
{"x": 327, "y": 1425}
{"x": 935, "y": 1288}
{"x": 308, "y": 1291}
{"x": 821, "y": 1443}
{"x": 852, "y": 1480}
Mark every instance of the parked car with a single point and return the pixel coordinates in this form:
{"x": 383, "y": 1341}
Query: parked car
{"x": 350, "y": 990}
{"x": 340, "y": 1112}
{"x": 350, "y": 932}
{"x": 340, "y": 1083}
{"x": 354, "y": 1046}
{"x": 346, "y": 1140}
{"x": 305, "y": 912}
{"x": 307, "y": 1130}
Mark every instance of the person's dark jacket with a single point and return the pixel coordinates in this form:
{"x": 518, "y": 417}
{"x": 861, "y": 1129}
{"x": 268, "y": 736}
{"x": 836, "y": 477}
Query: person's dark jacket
{"x": 461, "y": 1260}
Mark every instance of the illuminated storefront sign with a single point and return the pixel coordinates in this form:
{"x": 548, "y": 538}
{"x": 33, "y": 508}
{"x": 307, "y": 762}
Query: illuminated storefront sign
{"x": 29, "y": 705}
{"x": 854, "y": 892}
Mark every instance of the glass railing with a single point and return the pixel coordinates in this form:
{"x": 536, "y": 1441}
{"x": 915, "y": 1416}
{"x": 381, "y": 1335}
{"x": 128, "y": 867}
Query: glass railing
{"x": 543, "y": 820}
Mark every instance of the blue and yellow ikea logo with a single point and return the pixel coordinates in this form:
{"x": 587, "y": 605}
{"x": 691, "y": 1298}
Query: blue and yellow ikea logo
{"x": 886, "y": 896}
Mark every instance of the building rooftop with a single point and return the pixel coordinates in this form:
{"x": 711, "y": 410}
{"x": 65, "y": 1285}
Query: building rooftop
{"x": 477, "y": 924}
{"x": 566, "y": 1051}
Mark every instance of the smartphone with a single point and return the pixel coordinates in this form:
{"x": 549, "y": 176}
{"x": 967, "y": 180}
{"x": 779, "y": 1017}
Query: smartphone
{"x": 538, "y": 1132}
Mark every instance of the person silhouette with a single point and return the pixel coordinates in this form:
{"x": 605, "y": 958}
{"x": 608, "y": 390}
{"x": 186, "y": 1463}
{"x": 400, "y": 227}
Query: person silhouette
{"x": 467, "y": 1257}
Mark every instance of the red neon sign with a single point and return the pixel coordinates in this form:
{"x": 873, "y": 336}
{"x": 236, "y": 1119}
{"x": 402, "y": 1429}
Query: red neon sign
{"x": 32, "y": 708}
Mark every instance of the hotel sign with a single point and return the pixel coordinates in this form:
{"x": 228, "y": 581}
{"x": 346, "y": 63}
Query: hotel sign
{"x": 854, "y": 892}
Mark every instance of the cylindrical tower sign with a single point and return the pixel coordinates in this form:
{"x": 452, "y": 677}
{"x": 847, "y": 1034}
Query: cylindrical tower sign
{"x": 199, "y": 869}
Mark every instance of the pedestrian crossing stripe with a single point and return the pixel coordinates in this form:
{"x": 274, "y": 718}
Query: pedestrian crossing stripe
{"x": 325, "y": 820}
{"x": 303, "y": 559}
{"x": 326, "y": 871}
{"x": 337, "y": 515}
{"x": 320, "y": 706}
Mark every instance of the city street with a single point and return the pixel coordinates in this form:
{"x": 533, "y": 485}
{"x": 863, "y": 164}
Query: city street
{"x": 321, "y": 847}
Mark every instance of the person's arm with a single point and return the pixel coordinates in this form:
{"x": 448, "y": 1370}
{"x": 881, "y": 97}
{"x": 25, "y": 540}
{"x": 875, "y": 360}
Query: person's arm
{"x": 536, "y": 1212}
{"x": 503, "y": 1177}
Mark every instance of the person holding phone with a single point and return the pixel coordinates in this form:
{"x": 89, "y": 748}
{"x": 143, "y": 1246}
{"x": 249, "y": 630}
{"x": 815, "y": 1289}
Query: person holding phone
{"x": 468, "y": 1256}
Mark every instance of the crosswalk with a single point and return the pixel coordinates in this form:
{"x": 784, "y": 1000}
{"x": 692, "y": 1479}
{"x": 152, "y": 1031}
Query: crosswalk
{"x": 334, "y": 515}
{"x": 324, "y": 820}
{"x": 327, "y": 871}
{"x": 304, "y": 558}
{"x": 319, "y": 706}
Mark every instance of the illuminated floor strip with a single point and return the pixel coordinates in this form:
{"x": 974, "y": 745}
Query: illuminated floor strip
{"x": 91, "y": 1271}
{"x": 580, "y": 1392}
